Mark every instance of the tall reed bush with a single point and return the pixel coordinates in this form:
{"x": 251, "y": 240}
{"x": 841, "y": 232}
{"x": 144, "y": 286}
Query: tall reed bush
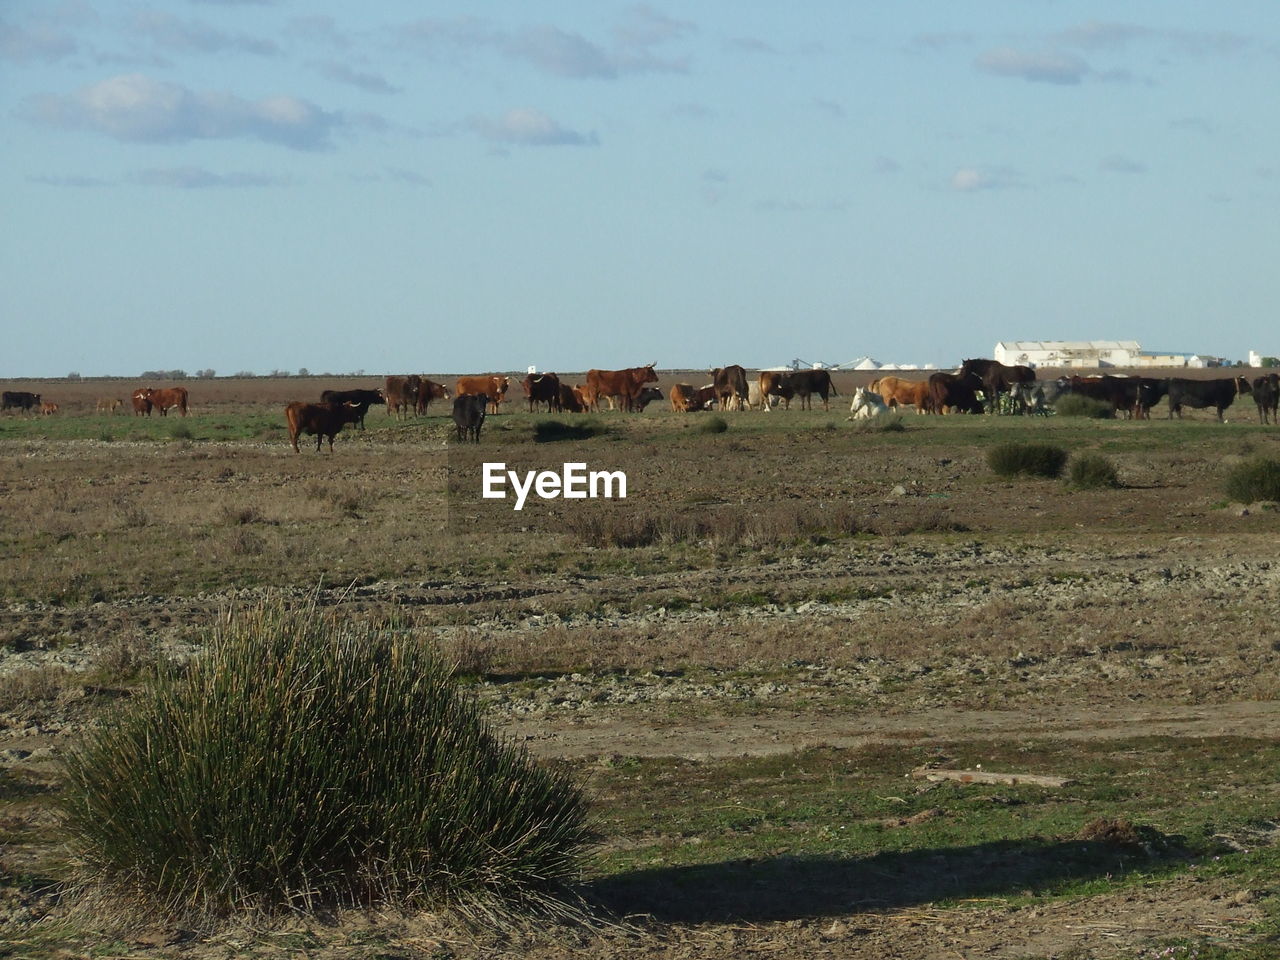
{"x": 301, "y": 762}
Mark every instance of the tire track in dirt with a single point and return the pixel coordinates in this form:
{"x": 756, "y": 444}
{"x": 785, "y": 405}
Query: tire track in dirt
{"x": 764, "y": 734}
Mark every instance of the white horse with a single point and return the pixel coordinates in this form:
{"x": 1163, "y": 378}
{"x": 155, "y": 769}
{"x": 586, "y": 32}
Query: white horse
{"x": 867, "y": 405}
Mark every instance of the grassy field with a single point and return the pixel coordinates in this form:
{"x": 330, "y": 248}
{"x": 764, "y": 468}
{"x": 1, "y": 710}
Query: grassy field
{"x": 742, "y": 662}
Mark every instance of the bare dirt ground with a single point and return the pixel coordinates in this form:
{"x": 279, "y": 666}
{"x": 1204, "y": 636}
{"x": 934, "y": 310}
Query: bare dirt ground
{"x": 967, "y": 611}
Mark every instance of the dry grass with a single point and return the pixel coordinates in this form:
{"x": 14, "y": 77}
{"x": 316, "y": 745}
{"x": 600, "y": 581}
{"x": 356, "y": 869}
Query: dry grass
{"x": 28, "y": 686}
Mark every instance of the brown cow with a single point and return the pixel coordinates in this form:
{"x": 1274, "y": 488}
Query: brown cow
{"x": 680, "y": 396}
{"x": 731, "y": 387}
{"x": 429, "y": 390}
{"x": 589, "y": 398}
{"x": 108, "y": 405}
{"x": 572, "y": 400}
{"x": 48, "y": 408}
{"x": 321, "y": 420}
{"x": 686, "y": 398}
{"x": 775, "y": 383}
{"x": 542, "y": 388}
{"x": 491, "y": 385}
{"x": 168, "y": 398}
{"x": 625, "y": 384}
{"x": 898, "y": 392}
{"x": 401, "y": 394}
{"x": 141, "y": 400}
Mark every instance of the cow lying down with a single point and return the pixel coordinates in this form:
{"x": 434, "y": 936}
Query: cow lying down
{"x": 867, "y": 405}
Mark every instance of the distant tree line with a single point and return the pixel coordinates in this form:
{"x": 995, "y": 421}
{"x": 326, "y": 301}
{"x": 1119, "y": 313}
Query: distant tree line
{"x": 210, "y": 373}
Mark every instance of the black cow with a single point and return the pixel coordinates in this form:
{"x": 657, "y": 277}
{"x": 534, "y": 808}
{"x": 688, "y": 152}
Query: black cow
{"x": 468, "y": 415}
{"x": 996, "y": 378}
{"x": 364, "y": 398}
{"x": 321, "y": 420}
{"x": 542, "y": 388}
{"x": 805, "y": 383}
{"x": 954, "y": 393}
{"x": 1127, "y": 395}
{"x": 1150, "y": 392}
{"x": 646, "y": 396}
{"x": 20, "y": 400}
{"x": 1266, "y": 394}
{"x": 1218, "y": 394}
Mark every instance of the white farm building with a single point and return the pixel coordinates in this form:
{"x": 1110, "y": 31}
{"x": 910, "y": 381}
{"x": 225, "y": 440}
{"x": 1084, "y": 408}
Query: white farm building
{"x": 1083, "y": 353}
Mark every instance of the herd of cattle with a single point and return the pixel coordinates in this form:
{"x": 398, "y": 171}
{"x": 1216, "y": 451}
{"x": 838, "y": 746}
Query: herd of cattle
{"x": 144, "y": 399}
{"x": 979, "y": 386}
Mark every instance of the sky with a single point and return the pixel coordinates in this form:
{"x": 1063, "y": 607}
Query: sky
{"x": 258, "y": 185}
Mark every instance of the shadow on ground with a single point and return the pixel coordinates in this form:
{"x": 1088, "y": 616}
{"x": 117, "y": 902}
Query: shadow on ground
{"x": 799, "y": 887}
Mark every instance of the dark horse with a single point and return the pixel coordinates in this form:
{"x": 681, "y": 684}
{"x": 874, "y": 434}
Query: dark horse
{"x": 996, "y": 379}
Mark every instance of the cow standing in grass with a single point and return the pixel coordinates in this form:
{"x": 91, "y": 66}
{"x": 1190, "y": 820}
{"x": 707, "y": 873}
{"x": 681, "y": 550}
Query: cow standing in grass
{"x": 363, "y": 399}
{"x": 320, "y": 420}
{"x": 468, "y": 415}
{"x": 624, "y": 384}
{"x": 1199, "y": 394}
{"x": 429, "y": 390}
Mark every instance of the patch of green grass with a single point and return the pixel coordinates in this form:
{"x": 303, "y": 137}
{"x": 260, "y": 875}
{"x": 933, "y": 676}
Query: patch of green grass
{"x": 788, "y": 835}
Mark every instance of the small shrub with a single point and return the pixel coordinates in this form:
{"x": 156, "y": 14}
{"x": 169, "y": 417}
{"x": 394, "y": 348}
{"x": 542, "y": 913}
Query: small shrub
{"x": 304, "y": 762}
{"x": 246, "y": 543}
{"x": 1032, "y": 459}
{"x": 28, "y": 685}
{"x": 602, "y": 528}
{"x": 124, "y": 657}
{"x": 1253, "y": 480}
{"x": 713, "y": 425}
{"x": 131, "y": 515}
{"x": 180, "y": 431}
{"x": 239, "y": 515}
{"x": 1091, "y": 472}
{"x": 1074, "y": 405}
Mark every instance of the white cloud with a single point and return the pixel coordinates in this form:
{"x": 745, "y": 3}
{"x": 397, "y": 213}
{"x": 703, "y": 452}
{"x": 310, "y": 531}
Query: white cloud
{"x": 196, "y": 178}
{"x": 750, "y": 45}
{"x": 528, "y": 127}
{"x": 340, "y": 72}
{"x": 973, "y": 179}
{"x": 552, "y": 50}
{"x": 1102, "y": 35}
{"x": 134, "y": 107}
{"x": 566, "y": 54}
{"x": 39, "y": 41}
{"x": 70, "y": 181}
{"x": 1037, "y": 67}
{"x": 643, "y": 26}
{"x": 172, "y": 33}
{"x": 832, "y": 109}
{"x": 1118, "y": 163}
